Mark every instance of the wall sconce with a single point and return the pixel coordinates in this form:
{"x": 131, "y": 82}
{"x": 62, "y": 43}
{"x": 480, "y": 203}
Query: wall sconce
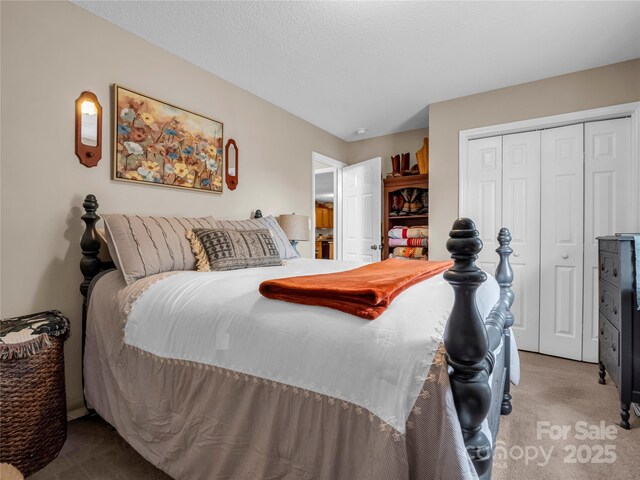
{"x": 88, "y": 129}
{"x": 231, "y": 169}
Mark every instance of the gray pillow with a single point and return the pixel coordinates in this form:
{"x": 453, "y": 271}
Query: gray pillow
{"x": 222, "y": 249}
{"x": 271, "y": 224}
{"x": 144, "y": 246}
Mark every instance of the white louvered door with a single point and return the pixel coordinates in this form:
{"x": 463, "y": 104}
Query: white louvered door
{"x": 562, "y": 241}
{"x": 521, "y": 214}
{"x": 609, "y": 208}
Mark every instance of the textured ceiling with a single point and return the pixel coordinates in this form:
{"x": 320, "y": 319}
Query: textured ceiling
{"x": 378, "y": 65}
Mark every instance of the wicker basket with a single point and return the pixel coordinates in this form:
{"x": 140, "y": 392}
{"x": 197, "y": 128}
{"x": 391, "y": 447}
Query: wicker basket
{"x": 33, "y": 409}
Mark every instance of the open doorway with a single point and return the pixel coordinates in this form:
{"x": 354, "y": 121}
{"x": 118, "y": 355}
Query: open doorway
{"x": 346, "y": 209}
{"x": 326, "y": 211}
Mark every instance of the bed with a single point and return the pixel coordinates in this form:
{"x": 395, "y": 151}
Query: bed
{"x": 206, "y": 379}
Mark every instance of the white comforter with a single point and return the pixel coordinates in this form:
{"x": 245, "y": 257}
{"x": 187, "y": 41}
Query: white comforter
{"x": 220, "y": 318}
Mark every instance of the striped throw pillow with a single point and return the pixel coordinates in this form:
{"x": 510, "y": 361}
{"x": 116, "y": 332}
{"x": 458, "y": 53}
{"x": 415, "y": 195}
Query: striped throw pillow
{"x": 271, "y": 224}
{"x": 144, "y": 246}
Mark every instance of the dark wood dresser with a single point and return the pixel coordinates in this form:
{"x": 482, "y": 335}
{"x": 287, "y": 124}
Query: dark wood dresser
{"x": 619, "y": 324}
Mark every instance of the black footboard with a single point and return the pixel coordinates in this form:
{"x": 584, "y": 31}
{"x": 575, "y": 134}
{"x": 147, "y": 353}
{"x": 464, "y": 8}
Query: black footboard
{"x": 470, "y": 341}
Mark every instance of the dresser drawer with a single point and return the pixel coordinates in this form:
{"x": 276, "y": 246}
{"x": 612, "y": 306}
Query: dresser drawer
{"x": 610, "y": 268}
{"x": 610, "y": 303}
{"x": 612, "y": 246}
{"x": 609, "y": 348}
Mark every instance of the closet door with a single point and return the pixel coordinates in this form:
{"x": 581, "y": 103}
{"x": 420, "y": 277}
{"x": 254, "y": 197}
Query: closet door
{"x": 482, "y": 201}
{"x": 609, "y": 208}
{"x": 562, "y": 245}
{"x": 521, "y": 214}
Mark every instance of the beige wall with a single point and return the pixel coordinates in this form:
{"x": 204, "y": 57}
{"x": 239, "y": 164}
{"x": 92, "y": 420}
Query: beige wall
{"x": 386, "y": 146}
{"x": 599, "y": 87}
{"x": 52, "y": 51}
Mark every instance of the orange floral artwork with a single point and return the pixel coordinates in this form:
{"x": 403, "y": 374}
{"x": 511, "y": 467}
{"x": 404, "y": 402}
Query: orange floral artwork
{"x": 158, "y": 143}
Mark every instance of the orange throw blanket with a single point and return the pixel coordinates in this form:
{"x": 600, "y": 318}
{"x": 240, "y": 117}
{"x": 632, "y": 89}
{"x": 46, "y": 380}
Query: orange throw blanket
{"x": 365, "y": 291}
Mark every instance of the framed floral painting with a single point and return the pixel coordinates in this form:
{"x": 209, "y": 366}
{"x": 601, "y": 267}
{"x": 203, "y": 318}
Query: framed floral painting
{"x": 159, "y": 143}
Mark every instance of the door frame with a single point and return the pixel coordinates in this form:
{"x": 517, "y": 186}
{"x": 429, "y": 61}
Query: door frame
{"x": 605, "y": 113}
{"x": 335, "y": 166}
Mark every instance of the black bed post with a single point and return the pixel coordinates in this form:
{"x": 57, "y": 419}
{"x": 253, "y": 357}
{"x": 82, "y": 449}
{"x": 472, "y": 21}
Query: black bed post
{"x": 466, "y": 342}
{"x": 504, "y": 277}
{"x": 90, "y": 264}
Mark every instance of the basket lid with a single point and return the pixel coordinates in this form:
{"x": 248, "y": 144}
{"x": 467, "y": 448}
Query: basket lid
{"x": 27, "y": 335}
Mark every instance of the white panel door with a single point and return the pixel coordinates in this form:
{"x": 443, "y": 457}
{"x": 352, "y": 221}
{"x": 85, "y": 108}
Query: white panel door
{"x": 562, "y": 233}
{"x": 482, "y": 197}
{"x": 521, "y": 215}
{"x": 608, "y": 209}
{"x": 362, "y": 210}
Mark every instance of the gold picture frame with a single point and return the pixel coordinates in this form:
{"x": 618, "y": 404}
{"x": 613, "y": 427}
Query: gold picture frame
{"x": 157, "y": 143}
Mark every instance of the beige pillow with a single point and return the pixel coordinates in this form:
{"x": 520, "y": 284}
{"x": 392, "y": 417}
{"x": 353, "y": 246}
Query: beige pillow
{"x": 144, "y": 246}
{"x": 270, "y": 223}
{"x": 105, "y": 253}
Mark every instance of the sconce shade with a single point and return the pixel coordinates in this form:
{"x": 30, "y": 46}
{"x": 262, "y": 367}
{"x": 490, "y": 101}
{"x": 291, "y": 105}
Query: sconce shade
{"x": 88, "y": 108}
{"x": 296, "y": 227}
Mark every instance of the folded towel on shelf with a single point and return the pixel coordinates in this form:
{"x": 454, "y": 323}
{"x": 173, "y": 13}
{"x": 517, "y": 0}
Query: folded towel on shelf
{"x": 365, "y": 291}
{"x": 410, "y": 252}
{"x": 418, "y": 231}
{"x": 408, "y": 242}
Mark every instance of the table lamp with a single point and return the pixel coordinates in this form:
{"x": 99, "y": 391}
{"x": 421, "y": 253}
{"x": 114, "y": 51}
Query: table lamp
{"x": 295, "y": 227}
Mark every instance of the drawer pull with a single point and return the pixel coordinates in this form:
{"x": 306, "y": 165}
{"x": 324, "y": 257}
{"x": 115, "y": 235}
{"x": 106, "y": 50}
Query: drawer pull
{"x": 615, "y": 272}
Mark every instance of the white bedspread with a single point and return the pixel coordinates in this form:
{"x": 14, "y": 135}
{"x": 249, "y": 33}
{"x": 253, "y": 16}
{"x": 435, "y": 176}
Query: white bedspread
{"x": 220, "y": 318}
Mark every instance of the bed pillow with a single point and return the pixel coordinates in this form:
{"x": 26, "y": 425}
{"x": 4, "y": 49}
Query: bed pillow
{"x": 225, "y": 249}
{"x": 105, "y": 251}
{"x": 144, "y": 246}
{"x": 270, "y": 223}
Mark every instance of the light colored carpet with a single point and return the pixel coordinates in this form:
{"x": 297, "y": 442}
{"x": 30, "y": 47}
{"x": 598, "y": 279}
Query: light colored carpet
{"x": 95, "y": 451}
{"x": 560, "y": 392}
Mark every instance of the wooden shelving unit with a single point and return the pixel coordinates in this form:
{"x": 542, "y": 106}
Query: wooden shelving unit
{"x": 391, "y": 185}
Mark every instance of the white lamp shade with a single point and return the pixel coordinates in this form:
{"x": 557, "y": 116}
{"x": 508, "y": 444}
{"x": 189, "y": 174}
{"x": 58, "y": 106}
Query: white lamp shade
{"x": 295, "y": 227}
